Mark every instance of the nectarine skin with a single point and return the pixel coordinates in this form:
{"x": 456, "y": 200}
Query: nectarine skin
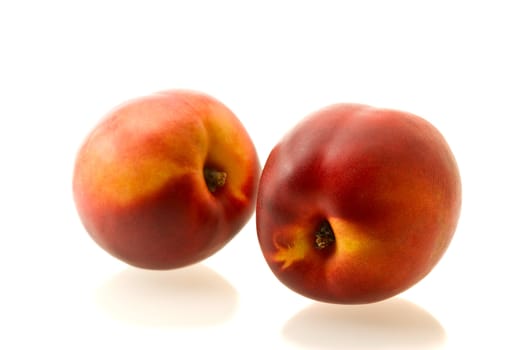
{"x": 166, "y": 180}
{"x": 356, "y": 204}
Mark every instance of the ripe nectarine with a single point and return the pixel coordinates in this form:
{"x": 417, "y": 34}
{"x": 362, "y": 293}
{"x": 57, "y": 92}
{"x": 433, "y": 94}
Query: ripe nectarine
{"x": 356, "y": 204}
{"x": 166, "y": 180}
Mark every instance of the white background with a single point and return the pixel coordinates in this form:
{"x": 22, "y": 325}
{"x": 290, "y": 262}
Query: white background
{"x": 64, "y": 64}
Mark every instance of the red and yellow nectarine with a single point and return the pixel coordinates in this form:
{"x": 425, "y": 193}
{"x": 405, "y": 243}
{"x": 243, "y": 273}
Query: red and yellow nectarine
{"x": 166, "y": 180}
{"x": 356, "y": 204}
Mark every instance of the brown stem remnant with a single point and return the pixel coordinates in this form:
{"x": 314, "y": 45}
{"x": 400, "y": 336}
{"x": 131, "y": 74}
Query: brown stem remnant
{"x": 214, "y": 178}
{"x": 324, "y": 236}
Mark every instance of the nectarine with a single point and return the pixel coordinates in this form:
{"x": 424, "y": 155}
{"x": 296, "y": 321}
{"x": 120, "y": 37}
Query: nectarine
{"x": 166, "y": 180}
{"x": 356, "y": 204}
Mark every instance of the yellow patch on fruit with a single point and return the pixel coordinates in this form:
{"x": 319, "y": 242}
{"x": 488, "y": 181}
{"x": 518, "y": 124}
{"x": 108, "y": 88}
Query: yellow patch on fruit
{"x": 349, "y": 239}
{"x": 122, "y": 175}
{"x": 293, "y": 252}
{"x": 127, "y": 182}
{"x": 120, "y": 165}
{"x": 227, "y": 148}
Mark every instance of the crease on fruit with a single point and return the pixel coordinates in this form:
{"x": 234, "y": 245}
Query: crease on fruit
{"x": 222, "y": 149}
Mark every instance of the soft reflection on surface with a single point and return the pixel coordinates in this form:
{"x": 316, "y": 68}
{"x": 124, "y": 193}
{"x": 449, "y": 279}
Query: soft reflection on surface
{"x": 194, "y": 296}
{"x": 391, "y": 324}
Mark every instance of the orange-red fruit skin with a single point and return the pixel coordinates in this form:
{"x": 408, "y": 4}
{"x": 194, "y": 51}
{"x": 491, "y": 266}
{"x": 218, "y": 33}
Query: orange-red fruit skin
{"x": 387, "y": 182}
{"x": 138, "y": 180}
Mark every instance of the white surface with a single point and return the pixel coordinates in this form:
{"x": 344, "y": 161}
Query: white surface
{"x": 64, "y": 64}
